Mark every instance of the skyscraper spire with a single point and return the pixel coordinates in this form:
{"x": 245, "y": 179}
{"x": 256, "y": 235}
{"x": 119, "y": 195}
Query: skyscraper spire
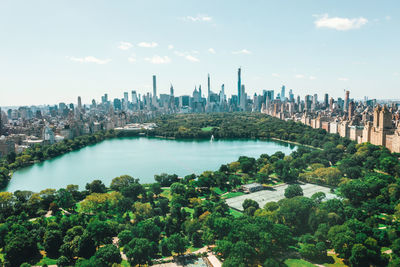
{"x": 239, "y": 85}
{"x": 208, "y": 87}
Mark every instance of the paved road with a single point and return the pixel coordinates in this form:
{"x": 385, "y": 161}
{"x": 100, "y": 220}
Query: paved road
{"x": 265, "y": 196}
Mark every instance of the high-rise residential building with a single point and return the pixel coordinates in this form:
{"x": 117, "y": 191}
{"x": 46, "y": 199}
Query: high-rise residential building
{"x": 134, "y": 97}
{"x": 326, "y": 100}
{"x": 291, "y": 95}
{"x": 154, "y": 90}
{"x": 79, "y": 103}
{"x": 243, "y": 98}
{"x": 171, "y": 90}
{"x": 239, "y": 85}
{"x": 346, "y": 101}
{"x": 307, "y": 102}
{"x": 117, "y": 104}
{"x": 222, "y": 97}
{"x": 208, "y": 88}
{"x": 283, "y": 93}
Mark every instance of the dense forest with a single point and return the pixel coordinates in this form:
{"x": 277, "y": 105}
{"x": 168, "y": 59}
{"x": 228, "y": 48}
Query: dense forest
{"x": 99, "y": 224}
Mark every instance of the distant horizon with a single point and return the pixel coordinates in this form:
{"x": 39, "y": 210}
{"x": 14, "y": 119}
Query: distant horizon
{"x": 56, "y": 51}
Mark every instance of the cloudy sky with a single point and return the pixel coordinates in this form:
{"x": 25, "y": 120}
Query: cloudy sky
{"x": 53, "y": 51}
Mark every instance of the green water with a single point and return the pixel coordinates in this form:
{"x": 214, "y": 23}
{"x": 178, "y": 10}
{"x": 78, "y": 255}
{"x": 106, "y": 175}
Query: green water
{"x": 139, "y": 157}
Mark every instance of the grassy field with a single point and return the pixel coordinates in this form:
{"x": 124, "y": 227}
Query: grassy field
{"x": 232, "y": 194}
{"x": 298, "y": 263}
{"x": 218, "y": 190}
{"x": 47, "y": 261}
{"x": 207, "y": 129}
{"x": 235, "y": 213}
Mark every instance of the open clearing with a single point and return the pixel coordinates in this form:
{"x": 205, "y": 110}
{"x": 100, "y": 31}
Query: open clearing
{"x": 276, "y": 194}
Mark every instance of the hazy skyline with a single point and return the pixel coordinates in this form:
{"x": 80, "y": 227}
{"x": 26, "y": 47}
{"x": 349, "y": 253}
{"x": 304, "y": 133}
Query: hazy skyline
{"x": 52, "y": 51}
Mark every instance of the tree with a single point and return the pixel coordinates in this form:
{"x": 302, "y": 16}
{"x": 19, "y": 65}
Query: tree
{"x": 108, "y": 255}
{"x": 100, "y": 232}
{"x": 123, "y": 181}
{"x": 247, "y": 203}
{"x": 139, "y": 251}
{"x": 96, "y": 186}
{"x": 178, "y": 188}
{"x": 52, "y": 241}
{"x": 293, "y": 190}
{"x": 125, "y": 237}
{"x": 177, "y": 243}
{"x": 359, "y": 256}
{"x": 20, "y": 248}
{"x": 156, "y": 188}
{"x": 86, "y": 245}
{"x": 133, "y": 191}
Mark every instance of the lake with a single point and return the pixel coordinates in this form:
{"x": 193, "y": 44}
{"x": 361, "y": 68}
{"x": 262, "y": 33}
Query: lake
{"x": 139, "y": 157}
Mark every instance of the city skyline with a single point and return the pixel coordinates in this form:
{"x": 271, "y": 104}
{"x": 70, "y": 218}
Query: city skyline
{"x": 329, "y": 47}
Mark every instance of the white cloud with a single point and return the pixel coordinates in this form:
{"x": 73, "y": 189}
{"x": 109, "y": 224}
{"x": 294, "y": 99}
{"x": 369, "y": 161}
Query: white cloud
{"x": 89, "y": 59}
{"x": 343, "y": 79}
{"x": 198, "y": 18}
{"x": 158, "y": 59}
{"x": 125, "y": 45}
{"x": 312, "y": 77}
{"x": 396, "y": 74}
{"x": 170, "y": 47}
{"x": 340, "y": 24}
{"x": 132, "y": 58}
{"x": 147, "y": 45}
{"x": 299, "y": 76}
{"x": 388, "y": 17}
{"x": 192, "y": 58}
{"x": 188, "y": 55}
{"x": 211, "y": 50}
{"x": 275, "y": 75}
{"x": 243, "y": 51}
{"x": 181, "y": 54}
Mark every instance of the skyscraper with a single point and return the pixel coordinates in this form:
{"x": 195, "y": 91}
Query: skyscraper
{"x": 239, "y": 85}
{"x": 208, "y": 88}
{"x": 134, "y": 97}
{"x": 326, "y": 100}
{"x": 154, "y": 90}
{"x": 79, "y": 103}
{"x": 283, "y": 93}
{"x": 171, "y": 90}
{"x": 346, "y": 101}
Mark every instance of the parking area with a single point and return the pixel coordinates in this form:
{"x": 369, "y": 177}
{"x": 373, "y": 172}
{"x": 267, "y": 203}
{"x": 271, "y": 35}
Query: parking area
{"x": 265, "y": 196}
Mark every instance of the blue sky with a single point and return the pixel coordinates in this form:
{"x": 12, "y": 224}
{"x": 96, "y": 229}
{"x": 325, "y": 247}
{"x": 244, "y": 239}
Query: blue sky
{"x": 53, "y": 51}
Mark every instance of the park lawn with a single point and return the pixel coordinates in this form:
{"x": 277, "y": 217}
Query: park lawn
{"x": 125, "y": 263}
{"x": 218, "y": 190}
{"x": 46, "y": 260}
{"x": 232, "y": 194}
{"x": 207, "y": 129}
{"x": 298, "y": 263}
{"x": 78, "y": 207}
{"x": 235, "y": 213}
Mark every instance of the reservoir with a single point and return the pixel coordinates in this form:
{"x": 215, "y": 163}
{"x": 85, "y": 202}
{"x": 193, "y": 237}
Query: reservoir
{"x": 139, "y": 157}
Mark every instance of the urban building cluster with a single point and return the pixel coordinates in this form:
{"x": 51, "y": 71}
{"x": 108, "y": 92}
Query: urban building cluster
{"x": 362, "y": 121}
